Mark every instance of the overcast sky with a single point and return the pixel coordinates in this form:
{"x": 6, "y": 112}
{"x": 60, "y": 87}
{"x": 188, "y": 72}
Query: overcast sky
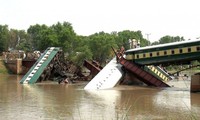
{"x": 155, "y": 17}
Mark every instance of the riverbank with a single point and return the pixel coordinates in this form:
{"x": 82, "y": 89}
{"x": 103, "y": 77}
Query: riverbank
{"x": 3, "y": 69}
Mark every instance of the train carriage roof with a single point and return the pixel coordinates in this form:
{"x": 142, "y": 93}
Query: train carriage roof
{"x": 162, "y": 45}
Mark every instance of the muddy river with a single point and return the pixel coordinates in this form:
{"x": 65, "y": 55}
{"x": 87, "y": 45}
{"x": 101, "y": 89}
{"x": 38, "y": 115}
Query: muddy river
{"x": 52, "y": 101}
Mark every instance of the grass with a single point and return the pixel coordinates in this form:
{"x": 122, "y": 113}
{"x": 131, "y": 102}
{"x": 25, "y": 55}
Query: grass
{"x": 3, "y": 69}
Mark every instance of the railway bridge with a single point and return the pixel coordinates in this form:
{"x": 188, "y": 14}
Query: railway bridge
{"x": 144, "y": 63}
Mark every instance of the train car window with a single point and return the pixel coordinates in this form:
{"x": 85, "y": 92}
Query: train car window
{"x": 138, "y": 56}
{"x": 150, "y": 54}
{"x": 165, "y": 52}
{"x": 172, "y": 51}
{"x": 180, "y": 50}
{"x": 157, "y": 53}
{"x": 189, "y": 49}
{"x": 144, "y": 55}
{"x": 198, "y": 48}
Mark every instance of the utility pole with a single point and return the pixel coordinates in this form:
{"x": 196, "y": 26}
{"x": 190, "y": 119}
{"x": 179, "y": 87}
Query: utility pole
{"x": 147, "y": 34}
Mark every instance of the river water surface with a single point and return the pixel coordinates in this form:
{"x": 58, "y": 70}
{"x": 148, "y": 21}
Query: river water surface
{"x": 52, "y": 101}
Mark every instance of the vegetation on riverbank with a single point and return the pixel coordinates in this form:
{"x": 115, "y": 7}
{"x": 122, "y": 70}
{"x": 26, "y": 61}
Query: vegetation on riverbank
{"x": 96, "y": 46}
{"x": 76, "y": 47}
{"x": 3, "y": 69}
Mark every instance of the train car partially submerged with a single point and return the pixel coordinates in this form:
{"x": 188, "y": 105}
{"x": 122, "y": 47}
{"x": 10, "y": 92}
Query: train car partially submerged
{"x": 170, "y": 53}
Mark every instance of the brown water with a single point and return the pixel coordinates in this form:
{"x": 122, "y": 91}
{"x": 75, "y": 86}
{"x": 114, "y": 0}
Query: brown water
{"x": 52, "y": 101}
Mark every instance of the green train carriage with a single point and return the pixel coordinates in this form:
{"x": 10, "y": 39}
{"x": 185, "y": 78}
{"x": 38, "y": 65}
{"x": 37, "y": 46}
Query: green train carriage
{"x": 170, "y": 53}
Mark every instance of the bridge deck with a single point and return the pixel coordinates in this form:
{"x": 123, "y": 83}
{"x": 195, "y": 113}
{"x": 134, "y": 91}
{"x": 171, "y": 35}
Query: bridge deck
{"x": 143, "y": 75}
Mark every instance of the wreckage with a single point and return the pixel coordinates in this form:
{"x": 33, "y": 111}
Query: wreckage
{"x": 49, "y": 65}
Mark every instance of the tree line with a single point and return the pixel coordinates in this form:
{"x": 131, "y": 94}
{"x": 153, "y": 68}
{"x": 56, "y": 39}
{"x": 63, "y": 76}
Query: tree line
{"x": 76, "y": 47}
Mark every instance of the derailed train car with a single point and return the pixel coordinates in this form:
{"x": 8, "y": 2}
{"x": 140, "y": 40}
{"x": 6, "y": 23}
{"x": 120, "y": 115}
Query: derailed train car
{"x": 171, "y": 53}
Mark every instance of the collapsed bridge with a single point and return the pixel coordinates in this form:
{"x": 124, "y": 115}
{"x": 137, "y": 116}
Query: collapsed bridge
{"x": 144, "y": 62}
{"x": 51, "y": 64}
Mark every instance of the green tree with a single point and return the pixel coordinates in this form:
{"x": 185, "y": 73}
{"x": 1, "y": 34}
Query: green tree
{"x": 82, "y": 53}
{"x": 13, "y": 38}
{"x": 170, "y": 39}
{"x": 124, "y": 36}
{"x": 23, "y": 41}
{"x": 100, "y": 45}
{"x": 37, "y": 33}
{"x": 19, "y": 40}
{"x": 155, "y": 43}
{"x": 66, "y": 37}
{"x": 4, "y": 38}
{"x": 49, "y": 39}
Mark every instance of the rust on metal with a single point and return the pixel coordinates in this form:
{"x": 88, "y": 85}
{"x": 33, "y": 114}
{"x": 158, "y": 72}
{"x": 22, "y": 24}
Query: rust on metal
{"x": 137, "y": 70}
{"x": 93, "y": 66}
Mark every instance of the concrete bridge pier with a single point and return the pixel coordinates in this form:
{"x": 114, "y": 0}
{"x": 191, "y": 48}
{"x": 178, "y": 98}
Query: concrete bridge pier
{"x": 195, "y": 83}
{"x": 19, "y": 66}
{"x": 15, "y": 66}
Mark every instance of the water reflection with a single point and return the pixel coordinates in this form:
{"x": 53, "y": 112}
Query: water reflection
{"x": 102, "y": 102}
{"x": 54, "y": 101}
{"x": 138, "y": 103}
{"x": 195, "y": 104}
{"x": 173, "y": 99}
